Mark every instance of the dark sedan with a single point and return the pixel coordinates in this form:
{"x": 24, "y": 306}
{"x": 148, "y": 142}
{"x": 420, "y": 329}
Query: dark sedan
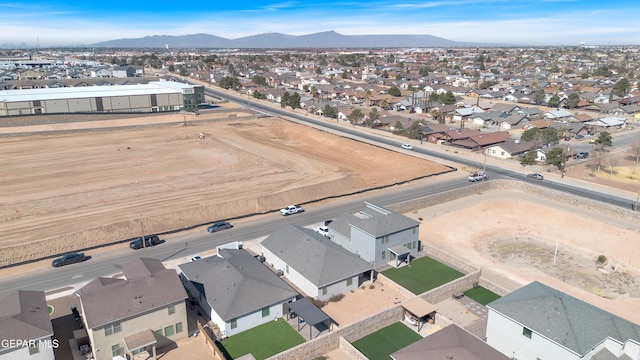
{"x": 70, "y": 259}
{"x": 150, "y": 240}
{"x": 219, "y": 225}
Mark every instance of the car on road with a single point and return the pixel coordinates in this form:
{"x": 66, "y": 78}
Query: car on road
{"x": 195, "y": 257}
{"x": 535, "y": 176}
{"x": 323, "y": 230}
{"x": 71, "y": 258}
{"x": 567, "y": 138}
{"x": 407, "y": 146}
{"x": 291, "y": 209}
{"x": 219, "y": 225}
{"x": 578, "y": 137}
{"x": 149, "y": 241}
{"x": 582, "y": 155}
{"x": 478, "y": 177}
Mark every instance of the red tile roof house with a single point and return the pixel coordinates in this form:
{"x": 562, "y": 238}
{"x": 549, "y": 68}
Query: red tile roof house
{"x": 481, "y": 141}
{"x": 145, "y": 310}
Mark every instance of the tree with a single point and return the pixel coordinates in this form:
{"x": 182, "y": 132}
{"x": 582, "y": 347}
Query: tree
{"x": 172, "y": 68}
{"x": 284, "y": 101}
{"x": 622, "y": 87}
{"x": 555, "y": 157}
{"x": 635, "y": 148}
{"x": 294, "y": 100}
{"x": 259, "y": 80}
{"x": 415, "y": 131}
{"x": 573, "y": 100}
{"x": 549, "y": 136}
{"x": 394, "y": 91}
{"x": 384, "y": 104}
{"x": 603, "y": 139}
{"x": 355, "y": 116}
{"x": 229, "y": 82}
{"x": 554, "y": 101}
{"x": 398, "y": 126}
{"x": 613, "y": 162}
{"x": 599, "y": 159}
{"x": 329, "y": 111}
{"x": 448, "y": 98}
{"x": 530, "y": 134}
{"x": 538, "y": 96}
{"x": 258, "y": 95}
{"x": 529, "y": 158}
{"x": 373, "y": 116}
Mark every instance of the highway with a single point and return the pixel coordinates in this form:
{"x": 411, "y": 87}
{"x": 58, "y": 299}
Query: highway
{"x": 183, "y": 245}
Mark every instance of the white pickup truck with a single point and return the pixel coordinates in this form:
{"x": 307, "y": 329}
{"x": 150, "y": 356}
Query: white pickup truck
{"x": 291, "y": 209}
{"x": 478, "y": 177}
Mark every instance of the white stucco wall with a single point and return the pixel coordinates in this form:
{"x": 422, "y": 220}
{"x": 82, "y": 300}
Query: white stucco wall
{"x": 506, "y": 336}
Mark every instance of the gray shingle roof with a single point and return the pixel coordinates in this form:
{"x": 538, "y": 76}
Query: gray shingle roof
{"x": 318, "y": 259}
{"x": 452, "y": 342}
{"x": 106, "y": 300}
{"x": 569, "y": 322}
{"x": 24, "y": 316}
{"x": 235, "y": 283}
{"x": 373, "y": 220}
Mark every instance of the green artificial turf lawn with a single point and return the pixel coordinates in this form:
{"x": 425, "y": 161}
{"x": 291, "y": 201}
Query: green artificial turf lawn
{"x": 263, "y": 341}
{"x": 423, "y": 275}
{"x": 386, "y": 341}
{"x": 481, "y": 295}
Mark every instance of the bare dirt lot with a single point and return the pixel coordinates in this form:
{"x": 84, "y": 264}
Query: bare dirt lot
{"x": 82, "y": 189}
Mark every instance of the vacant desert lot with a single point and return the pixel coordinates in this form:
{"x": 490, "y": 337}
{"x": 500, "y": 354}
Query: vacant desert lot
{"x": 81, "y": 189}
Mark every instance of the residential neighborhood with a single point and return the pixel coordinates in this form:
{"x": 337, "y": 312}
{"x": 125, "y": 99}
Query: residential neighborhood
{"x": 533, "y": 107}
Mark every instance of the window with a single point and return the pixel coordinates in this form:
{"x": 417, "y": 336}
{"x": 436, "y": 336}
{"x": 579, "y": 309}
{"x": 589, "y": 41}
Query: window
{"x": 234, "y": 323}
{"x": 265, "y": 311}
{"x": 112, "y": 329}
{"x": 287, "y": 268}
{"x": 138, "y": 351}
{"x": 349, "y": 281}
{"x": 116, "y": 350}
{"x": 178, "y": 328}
{"x": 324, "y": 290}
{"x": 172, "y": 309}
{"x": 415, "y": 244}
{"x": 158, "y": 333}
{"x": 526, "y": 332}
{"x": 33, "y": 348}
{"x": 383, "y": 255}
{"x": 384, "y": 239}
{"x": 168, "y": 331}
{"x": 414, "y": 229}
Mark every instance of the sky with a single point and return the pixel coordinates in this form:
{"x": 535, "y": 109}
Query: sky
{"x": 509, "y": 22}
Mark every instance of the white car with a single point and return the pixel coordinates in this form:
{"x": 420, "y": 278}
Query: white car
{"x": 323, "y": 230}
{"x": 195, "y": 257}
{"x": 291, "y": 209}
{"x": 407, "y": 146}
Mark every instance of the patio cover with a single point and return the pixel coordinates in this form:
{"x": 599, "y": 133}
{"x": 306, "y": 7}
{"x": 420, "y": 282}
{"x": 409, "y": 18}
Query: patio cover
{"x": 419, "y": 307}
{"x": 139, "y": 340}
{"x": 311, "y": 314}
{"x": 400, "y": 250}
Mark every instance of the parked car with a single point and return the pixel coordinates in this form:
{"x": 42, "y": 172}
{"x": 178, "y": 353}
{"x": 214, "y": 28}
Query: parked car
{"x": 195, "y": 257}
{"x": 567, "y": 138}
{"x": 71, "y": 258}
{"x": 578, "y": 137}
{"x": 323, "y": 230}
{"x": 478, "y": 177}
{"x": 582, "y": 155}
{"x": 150, "y": 241}
{"x": 535, "y": 176}
{"x": 407, "y": 146}
{"x": 219, "y": 225}
{"x": 291, "y": 209}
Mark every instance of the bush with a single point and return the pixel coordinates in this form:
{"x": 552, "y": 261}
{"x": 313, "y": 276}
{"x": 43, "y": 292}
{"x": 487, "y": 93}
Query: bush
{"x": 601, "y": 259}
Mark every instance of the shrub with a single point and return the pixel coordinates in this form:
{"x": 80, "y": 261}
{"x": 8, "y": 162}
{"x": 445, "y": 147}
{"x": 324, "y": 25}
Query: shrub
{"x": 601, "y": 259}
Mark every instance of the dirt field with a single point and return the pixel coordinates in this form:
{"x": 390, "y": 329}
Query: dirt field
{"x": 512, "y": 237}
{"x": 82, "y": 189}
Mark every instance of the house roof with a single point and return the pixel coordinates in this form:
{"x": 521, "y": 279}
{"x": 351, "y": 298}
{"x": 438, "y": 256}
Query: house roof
{"x": 485, "y": 139}
{"x": 515, "y": 148}
{"x": 563, "y": 319}
{"x": 318, "y": 259}
{"x": 373, "y": 220}
{"x": 150, "y": 286}
{"x": 24, "y": 315}
{"x": 235, "y": 283}
{"x": 452, "y": 342}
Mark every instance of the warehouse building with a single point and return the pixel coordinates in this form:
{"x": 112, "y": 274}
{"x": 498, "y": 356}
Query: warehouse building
{"x": 158, "y": 96}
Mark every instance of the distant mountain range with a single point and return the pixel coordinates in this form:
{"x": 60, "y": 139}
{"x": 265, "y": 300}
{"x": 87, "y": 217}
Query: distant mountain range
{"x": 327, "y": 39}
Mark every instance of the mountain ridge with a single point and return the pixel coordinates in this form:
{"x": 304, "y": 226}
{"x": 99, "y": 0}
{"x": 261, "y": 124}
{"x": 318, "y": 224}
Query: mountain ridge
{"x": 325, "y": 39}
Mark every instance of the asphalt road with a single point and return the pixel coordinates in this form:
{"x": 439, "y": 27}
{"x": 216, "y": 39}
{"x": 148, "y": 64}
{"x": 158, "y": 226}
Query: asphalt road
{"x": 107, "y": 263}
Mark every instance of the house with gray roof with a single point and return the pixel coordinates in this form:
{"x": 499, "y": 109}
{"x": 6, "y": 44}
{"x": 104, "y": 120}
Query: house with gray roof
{"x": 236, "y": 290}
{"x": 540, "y": 322}
{"x": 136, "y": 314}
{"x": 376, "y": 235}
{"x": 24, "y": 317}
{"x": 313, "y": 263}
{"x": 452, "y": 342}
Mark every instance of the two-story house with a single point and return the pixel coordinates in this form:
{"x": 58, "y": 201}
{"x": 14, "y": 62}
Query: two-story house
{"x": 137, "y": 314}
{"x": 376, "y": 235}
